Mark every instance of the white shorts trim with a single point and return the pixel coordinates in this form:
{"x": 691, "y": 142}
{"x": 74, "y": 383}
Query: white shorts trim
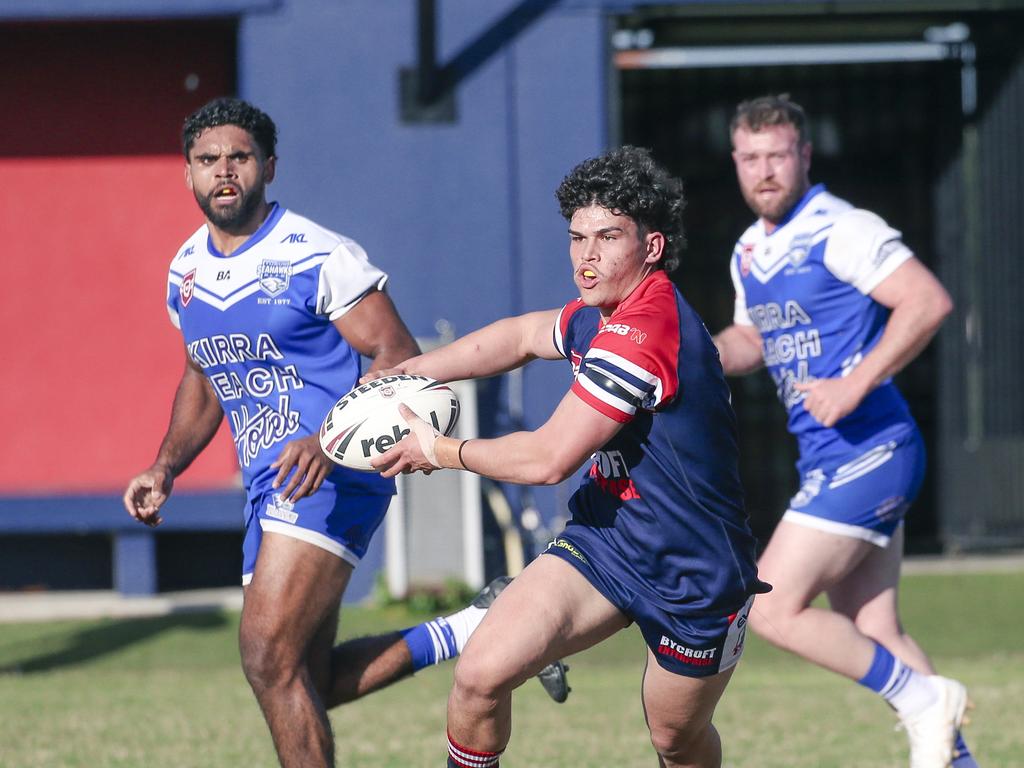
{"x": 839, "y": 529}
{"x": 736, "y": 636}
{"x": 311, "y": 537}
{"x": 246, "y": 578}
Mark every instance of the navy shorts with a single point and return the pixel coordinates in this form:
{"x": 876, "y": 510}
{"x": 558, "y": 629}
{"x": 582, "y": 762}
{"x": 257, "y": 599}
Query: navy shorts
{"x": 864, "y": 496}
{"x": 341, "y": 523}
{"x": 682, "y": 642}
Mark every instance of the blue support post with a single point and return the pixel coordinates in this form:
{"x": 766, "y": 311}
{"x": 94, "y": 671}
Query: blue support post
{"x": 135, "y": 562}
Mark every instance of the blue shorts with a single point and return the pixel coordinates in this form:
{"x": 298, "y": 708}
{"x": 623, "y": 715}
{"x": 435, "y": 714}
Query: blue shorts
{"x": 685, "y": 644}
{"x": 864, "y": 496}
{"x": 341, "y": 523}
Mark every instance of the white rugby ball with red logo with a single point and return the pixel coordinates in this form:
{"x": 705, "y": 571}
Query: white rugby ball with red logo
{"x": 365, "y": 423}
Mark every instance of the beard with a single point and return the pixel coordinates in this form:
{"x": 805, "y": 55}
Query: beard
{"x": 236, "y": 216}
{"x": 776, "y": 210}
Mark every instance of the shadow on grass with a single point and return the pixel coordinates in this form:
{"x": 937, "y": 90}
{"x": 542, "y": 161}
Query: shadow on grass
{"x": 98, "y": 640}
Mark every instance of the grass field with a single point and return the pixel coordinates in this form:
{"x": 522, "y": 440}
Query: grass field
{"x": 169, "y": 692}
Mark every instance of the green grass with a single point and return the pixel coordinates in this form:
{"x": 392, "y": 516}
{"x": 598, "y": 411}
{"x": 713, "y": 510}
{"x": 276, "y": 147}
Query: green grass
{"x": 169, "y": 692}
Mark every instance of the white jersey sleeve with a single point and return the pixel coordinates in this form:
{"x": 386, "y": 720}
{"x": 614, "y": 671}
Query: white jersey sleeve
{"x": 345, "y": 277}
{"x": 863, "y": 250}
{"x": 740, "y": 316}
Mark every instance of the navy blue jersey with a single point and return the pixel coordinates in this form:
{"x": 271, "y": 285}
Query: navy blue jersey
{"x": 805, "y": 287}
{"x": 665, "y": 491}
{"x": 260, "y": 325}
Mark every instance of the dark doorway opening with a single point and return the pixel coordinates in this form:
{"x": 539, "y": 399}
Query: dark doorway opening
{"x": 882, "y": 135}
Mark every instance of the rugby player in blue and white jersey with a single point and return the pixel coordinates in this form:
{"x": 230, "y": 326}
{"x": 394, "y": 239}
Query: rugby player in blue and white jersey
{"x": 658, "y": 534}
{"x": 275, "y": 312}
{"x": 832, "y": 302}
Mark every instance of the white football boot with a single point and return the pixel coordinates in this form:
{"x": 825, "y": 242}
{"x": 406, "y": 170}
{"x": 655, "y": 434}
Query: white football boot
{"x": 932, "y": 732}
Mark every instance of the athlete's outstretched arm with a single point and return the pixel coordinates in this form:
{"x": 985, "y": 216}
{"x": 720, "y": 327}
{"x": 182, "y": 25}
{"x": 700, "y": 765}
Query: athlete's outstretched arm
{"x": 195, "y": 417}
{"x": 739, "y": 348}
{"x": 495, "y": 348}
{"x": 919, "y": 304}
{"x": 375, "y": 330}
{"x": 545, "y": 456}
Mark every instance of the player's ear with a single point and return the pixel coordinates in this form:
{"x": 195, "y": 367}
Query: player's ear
{"x": 269, "y": 169}
{"x": 654, "y": 247}
{"x": 188, "y": 176}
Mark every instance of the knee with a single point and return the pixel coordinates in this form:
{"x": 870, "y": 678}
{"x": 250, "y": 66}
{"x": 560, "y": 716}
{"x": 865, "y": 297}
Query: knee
{"x": 768, "y": 617}
{"x": 481, "y": 676}
{"x": 759, "y": 620}
{"x": 267, "y": 661}
{"x": 686, "y": 744}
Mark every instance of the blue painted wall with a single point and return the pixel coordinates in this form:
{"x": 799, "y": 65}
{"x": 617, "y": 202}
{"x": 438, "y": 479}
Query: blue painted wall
{"x": 462, "y": 215}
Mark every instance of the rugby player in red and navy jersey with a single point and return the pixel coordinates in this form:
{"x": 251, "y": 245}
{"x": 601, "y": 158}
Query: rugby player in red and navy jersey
{"x": 658, "y": 534}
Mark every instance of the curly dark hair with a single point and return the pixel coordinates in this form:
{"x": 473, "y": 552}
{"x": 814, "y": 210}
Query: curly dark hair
{"x": 757, "y": 114}
{"x": 628, "y": 182}
{"x": 227, "y": 111}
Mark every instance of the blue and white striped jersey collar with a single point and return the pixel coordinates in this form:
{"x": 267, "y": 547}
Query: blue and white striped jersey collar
{"x": 276, "y": 212}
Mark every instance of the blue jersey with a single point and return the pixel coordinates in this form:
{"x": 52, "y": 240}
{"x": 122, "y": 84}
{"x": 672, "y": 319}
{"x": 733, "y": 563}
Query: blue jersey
{"x": 260, "y": 325}
{"x": 664, "y": 493}
{"x": 805, "y": 287}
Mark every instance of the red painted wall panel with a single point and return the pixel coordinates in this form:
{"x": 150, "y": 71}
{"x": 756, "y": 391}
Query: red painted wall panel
{"x": 92, "y": 359}
{"x": 92, "y": 208}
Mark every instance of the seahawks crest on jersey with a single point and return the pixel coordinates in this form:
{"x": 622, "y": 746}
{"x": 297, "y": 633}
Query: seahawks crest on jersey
{"x": 799, "y": 248}
{"x": 274, "y": 276}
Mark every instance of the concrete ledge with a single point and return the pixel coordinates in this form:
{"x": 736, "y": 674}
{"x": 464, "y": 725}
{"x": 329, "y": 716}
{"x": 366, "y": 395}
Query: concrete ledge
{"x": 996, "y": 563}
{"x": 51, "y": 606}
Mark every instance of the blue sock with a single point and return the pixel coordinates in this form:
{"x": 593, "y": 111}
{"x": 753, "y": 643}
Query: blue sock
{"x": 430, "y": 643}
{"x": 964, "y": 758}
{"x": 906, "y": 691}
{"x": 880, "y": 672}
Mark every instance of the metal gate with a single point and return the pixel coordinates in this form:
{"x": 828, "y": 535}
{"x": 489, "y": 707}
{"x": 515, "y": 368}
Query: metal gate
{"x": 973, "y": 420}
{"x": 980, "y": 229}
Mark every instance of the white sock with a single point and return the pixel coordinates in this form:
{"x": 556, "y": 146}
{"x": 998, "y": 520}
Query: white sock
{"x": 908, "y": 691}
{"x": 462, "y": 623}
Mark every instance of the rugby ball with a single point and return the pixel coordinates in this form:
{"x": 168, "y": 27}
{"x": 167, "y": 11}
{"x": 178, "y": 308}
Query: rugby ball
{"x": 365, "y": 423}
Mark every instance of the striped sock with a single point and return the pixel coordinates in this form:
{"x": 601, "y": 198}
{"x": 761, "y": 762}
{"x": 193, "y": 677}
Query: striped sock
{"x": 442, "y": 638}
{"x": 464, "y": 757}
{"x": 907, "y": 691}
{"x": 430, "y": 643}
